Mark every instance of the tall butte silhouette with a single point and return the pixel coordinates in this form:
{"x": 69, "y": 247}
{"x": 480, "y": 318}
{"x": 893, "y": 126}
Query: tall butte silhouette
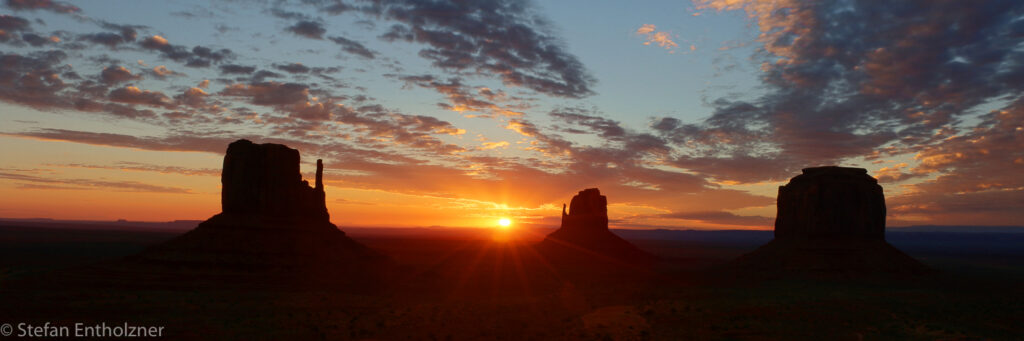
{"x": 271, "y": 219}
{"x": 584, "y": 234}
{"x": 830, "y": 220}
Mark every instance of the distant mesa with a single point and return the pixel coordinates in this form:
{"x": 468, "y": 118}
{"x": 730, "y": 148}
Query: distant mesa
{"x": 271, "y": 219}
{"x": 831, "y": 202}
{"x": 584, "y": 233}
{"x": 830, "y": 219}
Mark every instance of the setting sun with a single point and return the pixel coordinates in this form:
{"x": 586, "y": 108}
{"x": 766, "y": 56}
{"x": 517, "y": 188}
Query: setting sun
{"x": 504, "y": 222}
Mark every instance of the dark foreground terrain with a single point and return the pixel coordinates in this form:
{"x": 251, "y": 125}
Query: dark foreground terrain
{"x": 466, "y": 284}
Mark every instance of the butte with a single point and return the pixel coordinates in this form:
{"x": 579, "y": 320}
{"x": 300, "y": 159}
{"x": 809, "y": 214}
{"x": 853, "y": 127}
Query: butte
{"x": 584, "y": 235}
{"x": 271, "y": 220}
{"x": 831, "y": 220}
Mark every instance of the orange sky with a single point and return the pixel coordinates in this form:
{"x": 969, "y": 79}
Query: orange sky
{"x": 80, "y": 181}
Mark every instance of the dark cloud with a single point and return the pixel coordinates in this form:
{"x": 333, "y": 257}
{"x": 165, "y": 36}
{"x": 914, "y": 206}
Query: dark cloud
{"x": 13, "y": 23}
{"x": 237, "y": 69}
{"x": 308, "y": 29}
{"x": 127, "y": 32}
{"x": 414, "y": 131}
{"x": 262, "y": 75}
{"x": 499, "y": 38}
{"x": 604, "y": 127}
{"x": 198, "y": 56}
{"x": 459, "y": 95}
{"x": 337, "y": 7}
{"x": 211, "y": 142}
{"x": 37, "y": 40}
{"x": 353, "y": 47}
{"x": 284, "y": 14}
{"x": 269, "y": 93}
{"x": 48, "y": 5}
{"x": 211, "y": 54}
{"x": 171, "y": 143}
{"x": 34, "y": 79}
{"x": 292, "y": 68}
{"x": 721, "y": 218}
{"x": 633, "y": 145}
{"x": 144, "y": 167}
{"x": 134, "y": 95}
{"x": 111, "y": 40}
{"x": 118, "y": 74}
{"x": 61, "y": 183}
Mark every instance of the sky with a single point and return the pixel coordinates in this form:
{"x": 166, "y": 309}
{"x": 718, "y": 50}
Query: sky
{"x": 686, "y": 114}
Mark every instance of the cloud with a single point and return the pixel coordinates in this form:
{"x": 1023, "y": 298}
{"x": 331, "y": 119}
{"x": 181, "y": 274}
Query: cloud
{"x": 410, "y": 130}
{"x": 494, "y": 145}
{"x": 663, "y": 39}
{"x": 237, "y": 69}
{"x": 122, "y": 34}
{"x": 645, "y": 29}
{"x": 171, "y": 143}
{"x": 38, "y": 182}
{"x": 308, "y": 29}
{"x": 13, "y": 23}
{"x": 892, "y": 173}
{"x": 112, "y": 40}
{"x": 34, "y": 80}
{"x": 632, "y": 145}
{"x": 459, "y": 95}
{"x": 48, "y": 5}
{"x": 283, "y": 14}
{"x": 721, "y": 218}
{"x": 134, "y": 95}
{"x": 37, "y": 40}
{"x": 161, "y": 71}
{"x": 353, "y": 47}
{"x": 269, "y": 93}
{"x": 144, "y": 167}
{"x": 196, "y": 98}
{"x": 118, "y": 74}
{"x": 489, "y": 38}
{"x": 292, "y": 68}
{"x": 603, "y": 127}
{"x": 198, "y": 56}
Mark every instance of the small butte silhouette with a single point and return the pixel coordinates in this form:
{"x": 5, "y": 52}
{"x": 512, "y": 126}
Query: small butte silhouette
{"x": 831, "y": 220}
{"x": 272, "y": 220}
{"x": 584, "y": 234}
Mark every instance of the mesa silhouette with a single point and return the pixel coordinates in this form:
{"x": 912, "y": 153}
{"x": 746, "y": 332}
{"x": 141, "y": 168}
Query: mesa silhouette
{"x": 584, "y": 234}
{"x": 830, "y": 220}
{"x": 271, "y": 219}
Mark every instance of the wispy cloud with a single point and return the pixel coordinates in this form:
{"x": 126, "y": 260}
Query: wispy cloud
{"x": 39, "y": 182}
{"x": 663, "y": 39}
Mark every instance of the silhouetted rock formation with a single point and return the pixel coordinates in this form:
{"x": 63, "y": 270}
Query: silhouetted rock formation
{"x": 831, "y": 202}
{"x": 264, "y": 180}
{"x": 271, "y": 219}
{"x": 584, "y": 233}
{"x": 830, "y": 220}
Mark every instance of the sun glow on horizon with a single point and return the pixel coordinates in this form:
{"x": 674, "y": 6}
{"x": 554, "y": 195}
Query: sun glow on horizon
{"x": 504, "y": 223}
